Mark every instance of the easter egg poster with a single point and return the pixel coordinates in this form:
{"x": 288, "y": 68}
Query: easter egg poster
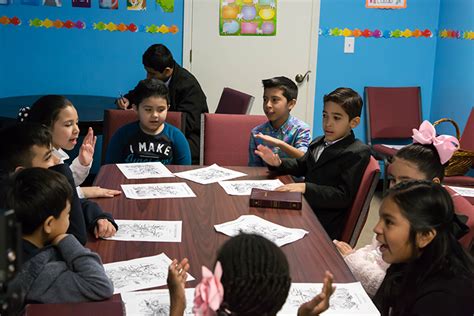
{"x": 247, "y": 17}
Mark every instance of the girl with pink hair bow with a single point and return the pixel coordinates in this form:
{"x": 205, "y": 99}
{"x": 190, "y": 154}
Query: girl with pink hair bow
{"x": 251, "y": 277}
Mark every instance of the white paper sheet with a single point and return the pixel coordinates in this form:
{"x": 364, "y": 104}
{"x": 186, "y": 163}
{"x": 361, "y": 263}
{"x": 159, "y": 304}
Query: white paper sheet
{"x": 157, "y": 190}
{"x": 464, "y": 191}
{"x": 209, "y": 174}
{"x": 144, "y": 170}
{"x": 397, "y": 147}
{"x": 154, "y": 302}
{"x": 157, "y": 231}
{"x": 138, "y": 274}
{"x": 252, "y": 224}
{"x": 244, "y": 187}
{"x": 348, "y": 299}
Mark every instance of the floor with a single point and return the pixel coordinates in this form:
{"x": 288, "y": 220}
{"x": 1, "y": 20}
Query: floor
{"x": 367, "y": 233}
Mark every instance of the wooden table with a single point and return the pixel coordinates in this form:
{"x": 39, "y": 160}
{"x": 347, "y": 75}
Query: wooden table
{"x": 308, "y": 257}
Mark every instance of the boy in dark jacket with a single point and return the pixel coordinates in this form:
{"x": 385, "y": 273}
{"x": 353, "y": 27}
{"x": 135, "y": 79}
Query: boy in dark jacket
{"x": 333, "y": 165}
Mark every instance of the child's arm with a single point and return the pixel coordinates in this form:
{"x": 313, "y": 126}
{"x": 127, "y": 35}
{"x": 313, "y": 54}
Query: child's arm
{"x": 77, "y": 276}
{"x": 81, "y": 166}
{"x": 320, "y": 302}
{"x": 254, "y": 160}
{"x": 177, "y": 274}
{"x": 97, "y": 221}
{"x": 287, "y": 148}
{"x": 181, "y": 150}
{"x": 98, "y": 192}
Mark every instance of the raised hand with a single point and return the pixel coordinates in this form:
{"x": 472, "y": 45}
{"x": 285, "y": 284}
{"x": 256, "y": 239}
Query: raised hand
{"x": 177, "y": 274}
{"x": 268, "y": 156}
{"x": 320, "y": 302}
{"x": 86, "y": 153}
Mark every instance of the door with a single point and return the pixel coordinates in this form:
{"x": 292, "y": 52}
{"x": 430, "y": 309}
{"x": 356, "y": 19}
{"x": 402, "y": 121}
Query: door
{"x": 241, "y": 62}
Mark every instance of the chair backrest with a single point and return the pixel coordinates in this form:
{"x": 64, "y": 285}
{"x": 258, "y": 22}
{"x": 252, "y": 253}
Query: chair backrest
{"x": 234, "y": 102}
{"x": 467, "y": 138}
{"x": 225, "y": 138}
{"x": 392, "y": 112}
{"x": 357, "y": 214}
{"x": 114, "y": 119}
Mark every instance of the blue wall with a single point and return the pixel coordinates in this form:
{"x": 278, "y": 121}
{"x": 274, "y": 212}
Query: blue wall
{"x": 453, "y": 87}
{"x": 62, "y": 61}
{"x": 376, "y": 62}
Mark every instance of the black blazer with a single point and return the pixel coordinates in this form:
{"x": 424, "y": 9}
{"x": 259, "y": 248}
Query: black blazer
{"x": 186, "y": 96}
{"x": 332, "y": 181}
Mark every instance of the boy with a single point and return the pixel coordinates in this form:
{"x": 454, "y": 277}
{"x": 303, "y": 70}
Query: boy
{"x": 185, "y": 93}
{"x": 56, "y": 268}
{"x": 334, "y": 163}
{"x": 283, "y": 133}
{"x": 150, "y": 138}
{"x": 32, "y": 147}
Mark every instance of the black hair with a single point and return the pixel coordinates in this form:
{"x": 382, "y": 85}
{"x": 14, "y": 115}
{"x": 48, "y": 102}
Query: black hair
{"x": 348, "y": 99}
{"x": 150, "y": 88}
{"x": 16, "y": 142}
{"x": 427, "y": 206}
{"x": 255, "y": 276}
{"x": 35, "y": 194}
{"x": 158, "y": 57}
{"x": 426, "y": 159}
{"x": 47, "y": 108}
{"x": 288, "y": 87}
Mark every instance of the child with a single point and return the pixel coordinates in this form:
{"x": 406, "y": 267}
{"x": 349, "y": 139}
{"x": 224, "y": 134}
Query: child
{"x": 283, "y": 133}
{"x": 56, "y": 268}
{"x": 59, "y": 115}
{"x": 150, "y": 138}
{"x": 413, "y": 162}
{"x": 251, "y": 277}
{"x": 430, "y": 273}
{"x": 185, "y": 92}
{"x": 32, "y": 147}
{"x": 334, "y": 163}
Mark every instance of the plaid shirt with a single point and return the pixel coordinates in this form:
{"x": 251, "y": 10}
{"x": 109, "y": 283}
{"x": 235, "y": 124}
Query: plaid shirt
{"x": 294, "y": 132}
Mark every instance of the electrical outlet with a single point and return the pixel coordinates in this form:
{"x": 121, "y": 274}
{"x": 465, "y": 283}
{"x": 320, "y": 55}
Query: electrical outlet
{"x": 349, "y": 43}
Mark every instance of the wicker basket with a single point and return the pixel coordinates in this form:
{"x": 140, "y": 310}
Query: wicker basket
{"x": 461, "y": 160}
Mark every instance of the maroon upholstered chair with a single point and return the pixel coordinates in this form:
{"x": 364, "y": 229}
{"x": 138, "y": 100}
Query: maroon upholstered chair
{"x": 114, "y": 119}
{"x": 225, "y": 138}
{"x": 234, "y": 102}
{"x": 391, "y": 114}
{"x": 467, "y": 143}
{"x": 357, "y": 214}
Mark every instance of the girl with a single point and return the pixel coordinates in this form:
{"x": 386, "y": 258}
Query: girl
{"x": 419, "y": 162}
{"x": 251, "y": 277}
{"x": 430, "y": 273}
{"x": 59, "y": 115}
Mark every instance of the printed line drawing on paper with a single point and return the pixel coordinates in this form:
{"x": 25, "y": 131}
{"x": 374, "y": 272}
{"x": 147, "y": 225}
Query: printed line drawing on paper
{"x": 146, "y": 230}
{"x": 244, "y": 187}
{"x": 211, "y": 174}
{"x": 144, "y": 170}
{"x": 157, "y": 190}
{"x": 154, "y": 302}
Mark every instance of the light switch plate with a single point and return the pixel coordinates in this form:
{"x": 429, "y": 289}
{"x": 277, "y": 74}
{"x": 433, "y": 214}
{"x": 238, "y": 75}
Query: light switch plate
{"x": 349, "y": 43}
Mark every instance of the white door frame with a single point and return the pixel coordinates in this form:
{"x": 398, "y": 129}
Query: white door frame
{"x": 311, "y": 84}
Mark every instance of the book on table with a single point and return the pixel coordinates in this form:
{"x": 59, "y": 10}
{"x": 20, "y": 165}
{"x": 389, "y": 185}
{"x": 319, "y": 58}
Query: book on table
{"x": 276, "y": 199}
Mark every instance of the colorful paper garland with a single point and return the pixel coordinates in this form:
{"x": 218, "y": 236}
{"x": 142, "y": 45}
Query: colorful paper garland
{"x": 4, "y": 20}
{"x": 468, "y": 35}
{"x": 375, "y": 33}
{"x": 47, "y": 23}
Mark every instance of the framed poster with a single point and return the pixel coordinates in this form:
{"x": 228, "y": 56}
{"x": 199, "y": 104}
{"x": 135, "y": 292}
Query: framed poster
{"x": 248, "y": 17}
{"x": 386, "y": 4}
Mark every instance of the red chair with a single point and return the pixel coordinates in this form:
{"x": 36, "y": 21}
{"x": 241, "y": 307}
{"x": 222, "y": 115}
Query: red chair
{"x": 225, "y": 138}
{"x": 467, "y": 143}
{"x": 114, "y": 119}
{"x": 234, "y": 102}
{"x": 391, "y": 114}
{"x": 357, "y": 215}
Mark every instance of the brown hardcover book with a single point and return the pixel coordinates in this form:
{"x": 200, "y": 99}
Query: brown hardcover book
{"x": 275, "y": 199}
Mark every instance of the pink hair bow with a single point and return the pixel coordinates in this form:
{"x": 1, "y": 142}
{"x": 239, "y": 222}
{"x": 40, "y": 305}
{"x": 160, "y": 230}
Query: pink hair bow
{"x": 445, "y": 145}
{"x": 209, "y": 294}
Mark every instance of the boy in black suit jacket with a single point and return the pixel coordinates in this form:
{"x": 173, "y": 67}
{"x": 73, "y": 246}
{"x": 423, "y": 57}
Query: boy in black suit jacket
{"x": 333, "y": 165}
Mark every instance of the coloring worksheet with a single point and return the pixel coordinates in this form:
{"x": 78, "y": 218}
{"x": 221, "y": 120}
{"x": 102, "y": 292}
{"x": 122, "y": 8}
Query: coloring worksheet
{"x": 469, "y": 192}
{"x": 209, "y": 174}
{"x": 138, "y": 274}
{"x": 348, "y": 299}
{"x": 154, "y": 302}
{"x": 244, "y": 187}
{"x": 157, "y": 190}
{"x": 252, "y": 224}
{"x": 144, "y": 170}
{"x": 144, "y": 230}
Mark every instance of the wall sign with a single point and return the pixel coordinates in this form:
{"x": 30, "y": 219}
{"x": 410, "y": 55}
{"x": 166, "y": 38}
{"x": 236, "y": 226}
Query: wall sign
{"x": 386, "y": 4}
